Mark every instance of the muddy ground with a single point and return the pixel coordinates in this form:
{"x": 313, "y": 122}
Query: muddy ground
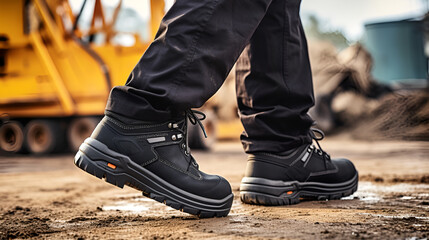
{"x": 49, "y": 198}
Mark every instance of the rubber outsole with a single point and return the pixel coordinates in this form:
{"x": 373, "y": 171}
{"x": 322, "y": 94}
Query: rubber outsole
{"x": 117, "y": 169}
{"x": 260, "y": 191}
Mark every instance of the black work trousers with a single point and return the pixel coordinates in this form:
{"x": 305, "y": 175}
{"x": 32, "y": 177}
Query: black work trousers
{"x": 196, "y": 46}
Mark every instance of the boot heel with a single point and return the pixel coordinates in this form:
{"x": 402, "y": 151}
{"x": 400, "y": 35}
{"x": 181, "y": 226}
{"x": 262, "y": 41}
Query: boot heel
{"x": 264, "y": 199}
{"x": 101, "y": 169}
{"x": 268, "y": 192}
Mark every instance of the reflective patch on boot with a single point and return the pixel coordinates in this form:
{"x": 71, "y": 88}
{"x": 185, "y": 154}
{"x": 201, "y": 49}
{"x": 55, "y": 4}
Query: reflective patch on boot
{"x": 307, "y": 154}
{"x": 156, "y": 139}
{"x": 305, "y": 157}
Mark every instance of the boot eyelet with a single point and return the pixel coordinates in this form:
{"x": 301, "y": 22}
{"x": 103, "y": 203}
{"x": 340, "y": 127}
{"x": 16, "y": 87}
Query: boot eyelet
{"x": 170, "y": 125}
{"x": 183, "y": 146}
{"x": 174, "y": 138}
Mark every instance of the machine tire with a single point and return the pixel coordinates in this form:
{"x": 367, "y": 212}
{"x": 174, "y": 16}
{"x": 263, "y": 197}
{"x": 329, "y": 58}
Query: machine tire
{"x": 196, "y": 136}
{"x": 11, "y": 136}
{"x": 43, "y": 136}
{"x": 78, "y": 130}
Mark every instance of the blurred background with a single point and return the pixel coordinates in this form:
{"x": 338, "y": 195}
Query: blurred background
{"x": 59, "y": 59}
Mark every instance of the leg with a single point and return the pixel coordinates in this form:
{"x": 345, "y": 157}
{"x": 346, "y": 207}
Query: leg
{"x": 274, "y": 83}
{"x": 196, "y": 46}
{"x": 141, "y": 142}
{"x": 274, "y": 91}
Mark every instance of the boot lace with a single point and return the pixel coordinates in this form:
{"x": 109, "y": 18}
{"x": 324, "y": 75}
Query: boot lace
{"x": 318, "y": 135}
{"x": 192, "y": 116}
{"x": 195, "y": 117}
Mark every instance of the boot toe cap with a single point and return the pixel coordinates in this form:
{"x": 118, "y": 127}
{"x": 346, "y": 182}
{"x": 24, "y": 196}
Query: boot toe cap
{"x": 346, "y": 169}
{"x": 220, "y": 188}
{"x": 343, "y": 172}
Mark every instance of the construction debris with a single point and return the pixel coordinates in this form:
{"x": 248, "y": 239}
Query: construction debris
{"x": 348, "y": 99}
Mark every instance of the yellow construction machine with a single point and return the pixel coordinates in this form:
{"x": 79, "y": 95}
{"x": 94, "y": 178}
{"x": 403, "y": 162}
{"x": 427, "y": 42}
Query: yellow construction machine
{"x": 54, "y": 80}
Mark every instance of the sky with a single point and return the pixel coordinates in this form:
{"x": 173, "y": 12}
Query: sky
{"x": 348, "y": 16}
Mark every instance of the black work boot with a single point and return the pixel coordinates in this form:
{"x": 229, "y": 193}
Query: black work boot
{"x": 306, "y": 172}
{"x": 155, "y": 159}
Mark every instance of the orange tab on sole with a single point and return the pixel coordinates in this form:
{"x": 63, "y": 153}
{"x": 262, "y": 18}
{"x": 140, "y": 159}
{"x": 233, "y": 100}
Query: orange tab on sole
{"x": 111, "y": 166}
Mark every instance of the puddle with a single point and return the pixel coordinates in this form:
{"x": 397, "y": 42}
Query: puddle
{"x": 126, "y": 206}
{"x": 136, "y": 204}
{"x": 130, "y": 203}
{"x": 400, "y": 216}
{"x": 372, "y": 193}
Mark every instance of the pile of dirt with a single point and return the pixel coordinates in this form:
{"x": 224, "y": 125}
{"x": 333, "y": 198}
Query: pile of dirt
{"x": 398, "y": 116}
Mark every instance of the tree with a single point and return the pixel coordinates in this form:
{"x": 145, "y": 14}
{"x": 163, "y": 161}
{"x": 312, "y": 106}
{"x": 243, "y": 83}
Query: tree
{"x": 314, "y": 31}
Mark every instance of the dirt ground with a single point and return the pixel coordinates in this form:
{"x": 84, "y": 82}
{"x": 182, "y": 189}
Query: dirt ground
{"x": 49, "y": 198}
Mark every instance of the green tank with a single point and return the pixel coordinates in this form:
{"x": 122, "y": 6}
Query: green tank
{"x": 397, "y": 48}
